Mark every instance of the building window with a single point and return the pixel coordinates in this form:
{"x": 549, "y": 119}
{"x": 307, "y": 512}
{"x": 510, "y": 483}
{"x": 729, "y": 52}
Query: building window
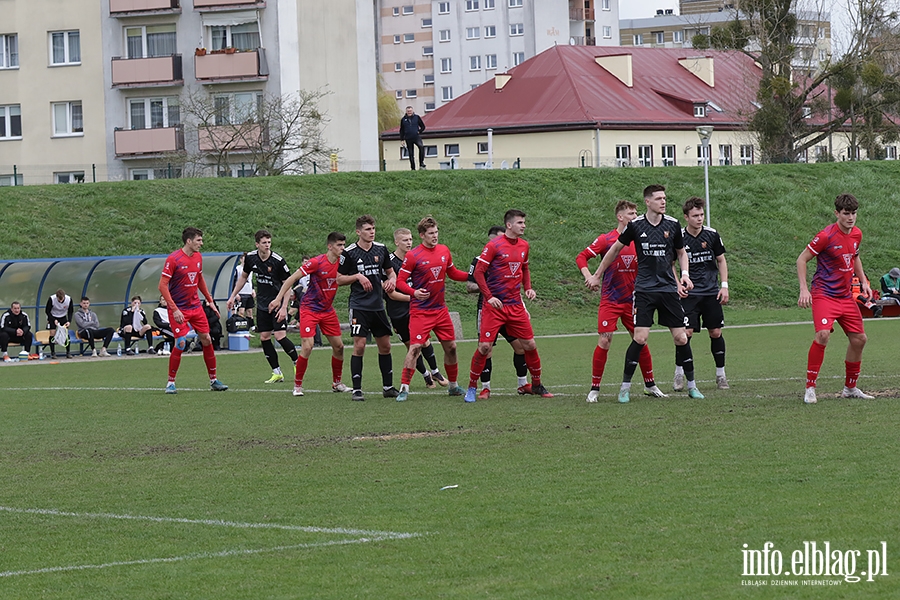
{"x": 409, "y": 65}
{"x": 396, "y": 11}
{"x": 447, "y": 93}
{"x": 699, "y": 110}
{"x": 150, "y": 41}
{"x": 668, "y": 156}
{"x": 396, "y": 39}
{"x": 890, "y": 153}
{"x": 65, "y": 48}
{"x": 9, "y": 180}
{"x": 747, "y": 154}
{"x": 482, "y": 148}
{"x": 243, "y": 170}
{"x": 518, "y": 58}
{"x": 725, "y": 154}
{"x": 806, "y": 111}
{"x": 490, "y": 61}
{"x": 471, "y": 5}
{"x": 9, "y": 51}
{"x": 515, "y": 3}
{"x": 147, "y": 174}
{"x": 241, "y": 107}
{"x": 398, "y": 94}
{"x": 475, "y": 63}
{"x": 490, "y": 31}
{"x": 638, "y": 39}
{"x": 11, "y": 122}
{"x": 516, "y": 29}
{"x": 429, "y": 106}
{"x": 821, "y": 153}
{"x": 473, "y": 33}
{"x": 472, "y": 86}
{"x": 678, "y": 36}
{"x": 659, "y": 37}
{"x": 444, "y": 35}
{"x": 69, "y": 177}
{"x": 408, "y": 10}
{"x": 446, "y": 65}
{"x": 645, "y": 156}
{"x": 411, "y": 94}
{"x": 443, "y": 8}
{"x": 702, "y": 154}
{"x": 604, "y": 4}
{"x": 428, "y": 51}
{"x": 244, "y": 36}
{"x": 426, "y": 23}
{"x": 451, "y": 149}
{"x": 489, "y": 4}
{"x": 623, "y": 156}
{"x": 428, "y": 80}
{"x": 409, "y": 38}
{"x": 398, "y": 67}
{"x": 67, "y": 119}
{"x": 153, "y": 113}
{"x": 607, "y": 32}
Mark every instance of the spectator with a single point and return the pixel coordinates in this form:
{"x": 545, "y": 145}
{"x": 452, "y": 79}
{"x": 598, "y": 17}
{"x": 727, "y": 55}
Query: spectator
{"x": 15, "y": 327}
{"x": 134, "y": 324}
{"x": 59, "y": 311}
{"x": 215, "y": 325}
{"x": 88, "y": 328}
{"x": 890, "y": 284}
{"x": 411, "y": 128}
{"x": 161, "y": 321}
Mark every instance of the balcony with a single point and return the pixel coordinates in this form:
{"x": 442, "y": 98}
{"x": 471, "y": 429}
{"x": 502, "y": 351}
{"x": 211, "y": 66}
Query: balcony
{"x": 120, "y": 8}
{"x": 226, "y": 68}
{"x": 232, "y": 138}
{"x": 209, "y": 5}
{"x": 139, "y": 143}
{"x": 581, "y": 14}
{"x": 581, "y": 40}
{"x": 147, "y": 72}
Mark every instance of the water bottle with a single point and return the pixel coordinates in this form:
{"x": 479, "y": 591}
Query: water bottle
{"x": 119, "y": 349}
{"x": 166, "y": 349}
{"x": 41, "y": 354}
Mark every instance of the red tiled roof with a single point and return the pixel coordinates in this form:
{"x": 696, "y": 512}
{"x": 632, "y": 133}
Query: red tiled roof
{"x": 565, "y": 88}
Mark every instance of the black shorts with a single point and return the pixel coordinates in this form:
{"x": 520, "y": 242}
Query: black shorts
{"x": 401, "y": 327}
{"x": 500, "y": 332}
{"x": 247, "y": 301}
{"x": 56, "y": 321}
{"x": 265, "y": 321}
{"x": 364, "y": 322}
{"x": 668, "y": 304}
{"x": 707, "y": 307}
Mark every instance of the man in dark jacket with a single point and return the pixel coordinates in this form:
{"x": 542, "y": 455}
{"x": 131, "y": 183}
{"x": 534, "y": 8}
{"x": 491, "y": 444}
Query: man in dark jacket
{"x": 411, "y": 128}
{"x": 15, "y": 327}
{"x": 133, "y": 324}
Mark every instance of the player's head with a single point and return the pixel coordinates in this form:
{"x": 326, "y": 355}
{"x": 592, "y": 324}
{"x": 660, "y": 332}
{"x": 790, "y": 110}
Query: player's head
{"x": 495, "y": 230}
{"x": 846, "y": 202}
{"x": 136, "y": 301}
{"x": 162, "y": 301}
{"x": 425, "y": 224}
{"x": 515, "y": 222}
{"x": 335, "y": 241}
{"x": 190, "y": 233}
{"x": 365, "y": 220}
{"x": 85, "y": 302}
{"x": 365, "y": 228}
{"x": 15, "y": 308}
{"x": 652, "y": 189}
{"x": 626, "y": 211}
{"x": 262, "y": 234}
{"x": 60, "y": 294}
{"x": 693, "y": 210}
{"x": 655, "y": 198}
{"x": 403, "y": 239}
{"x": 428, "y": 231}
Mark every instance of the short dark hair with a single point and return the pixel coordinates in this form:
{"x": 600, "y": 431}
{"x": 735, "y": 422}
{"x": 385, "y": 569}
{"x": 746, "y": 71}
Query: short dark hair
{"x": 83, "y": 298}
{"x": 335, "y": 236}
{"x": 190, "y": 233}
{"x": 496, "y": 230}
{"x": 692, "y": 203}
{"x": 652, "y": 189}
{"x": 262, "y": 233}
{"x": 624, "y": 205}
{"x": 425, "y": 224}
{"x": 365, "y": 220}
{"x": 511, "y": 214}
{"x": 15, "y": 303}
{"x": 138, "y": 298}
{"x": 846, "y": 202}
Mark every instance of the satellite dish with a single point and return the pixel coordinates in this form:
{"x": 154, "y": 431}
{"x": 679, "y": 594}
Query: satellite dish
{"x": 504, "y": 165}
{"x": 572, "y": 41}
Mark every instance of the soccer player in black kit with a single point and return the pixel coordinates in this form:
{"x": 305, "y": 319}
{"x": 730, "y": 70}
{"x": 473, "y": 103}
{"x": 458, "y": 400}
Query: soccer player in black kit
{"x": 657, "y": 241}
{"x": 270, "y": 270}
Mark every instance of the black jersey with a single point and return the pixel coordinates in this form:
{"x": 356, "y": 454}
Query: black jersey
{"x": 472, "y": 279}
{"x": 702, "y": 252}
{"x": 374, "y": 264}
{"x": 270, "y": 275}
{"x": 395, "y": 308}
{"x": 655, "y": 247}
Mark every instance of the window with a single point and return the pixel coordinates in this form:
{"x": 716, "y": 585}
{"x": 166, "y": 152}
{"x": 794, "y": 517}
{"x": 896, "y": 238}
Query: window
{"x": 153, "y": 113}
{"x": 890, "y": 152}
{"x": 604, "y": 4}
{"x": 623, "y": 156}
{"x": 429, "y": 106}
{"x": 451, "y": 149}
{"x": 475, "y": 63}
{"x": 803, "y": 156}
{"x": 607, "y": 32}
{"x": 699, "y": 110}
{"x": 472, "y": 86}
{"x": 9, "y": 51}
{"x": 443, "y": 8}
{"x": 668, "y": 156}
{"x": 747, "y": 154}
{"x": 8, "y": 180}
{"x": 10, "y": 122}
{"x": 515, "y": 3}
{"x": 396, "y": 39}
{"x": 67, "y": 119}
{"x": 238, "y": 171}
{"x": 821, "y": 153}
{"x": 426, "y": 23}
{"x": 447, "y": 93}
{"x": 702, "y": 154}
{"x": 145, "y": 174}
{"x": 65, "y": 48}
{"x": 150, "y": 41}
{"x": 678, "y": 36}
{"x": 233, "y": 109}
{"x": 430, "y": 151}
{"x": 518, "y": 58}
{"x": 659, "y": 37}
{"x": 243, "y": 37}
{"x": 823, "y": 55}
{"x": 398, "y": 94}
{"x": 490, "y": 31}
{"x": 444, "y": 35}
{"x": 490, "y": 61}
{"x": 428, "y": 51}
{"x": 398, "y": 67}
{"x": 482, "y": 147}
{"x": 645, "y": 156}
{"x": 806, "y": 111}
{"x": 409, "y": 65}
{"x": 69, "y": 177}
{"x": 473, "y": 33}
{"x": 725, "y": 154}
{"x": 407, "y": 10}
{"x": 516, "y": 29}
{"x": 428, "y": 80}
{"x": 638, "y": 39}
{"x": 411, "y": 94}
{"x": 396, "y": 11}
{"x": 489, "y": 4}
{"x": 409, "y": 38}
{"x": 471, "y": 5}
{"x": 446, "y": 65}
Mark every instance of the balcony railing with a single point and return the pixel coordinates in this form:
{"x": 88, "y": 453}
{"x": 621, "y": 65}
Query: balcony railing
{"x": 147, "y": 72}
{"x": 581, "y": 40}
{"x": 233, "y": 138}
{"x": 141, "y": 142}
{"x": 221, "y": 68}
{"x": 214, "y": 4}
{"x": 117, "y": 7}
{"x": 581, "y": 14}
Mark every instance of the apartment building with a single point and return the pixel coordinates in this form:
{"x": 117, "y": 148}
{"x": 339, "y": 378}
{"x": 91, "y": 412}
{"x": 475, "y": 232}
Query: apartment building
{"x": 430, "y": 52}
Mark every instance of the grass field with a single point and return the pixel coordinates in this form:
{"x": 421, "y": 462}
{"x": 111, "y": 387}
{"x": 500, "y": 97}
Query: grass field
{"x": 112, "y": 489}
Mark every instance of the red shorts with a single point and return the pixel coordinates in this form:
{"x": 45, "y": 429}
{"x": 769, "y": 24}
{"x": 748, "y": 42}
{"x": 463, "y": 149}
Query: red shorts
{"x": 845, "y": 311}
{"x": 423, "y": 322}
{"x": 195, "y": 317}
{"x": 327, "y": 322}
{"x": 609, "y": 314}
{"x": 514, "y": 316}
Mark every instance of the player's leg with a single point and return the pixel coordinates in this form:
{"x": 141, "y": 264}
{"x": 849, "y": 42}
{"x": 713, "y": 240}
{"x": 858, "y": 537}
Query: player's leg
{"x": 284, "y": 341}
{"x": 691, "y": 307}
{"x": 671, "y": 315}
{"x": 381, "y": 331}
{"x": 359, "y": 330}
{"x": 443, "y": 329}
{"x": 490, "y": 322}
{"x": 301, "y": 364}
{"x": 329, "y": 325}
{"x": 851, "y": 323}
{"x": 433, "y": 372}
{"x": 644, "y": 309}
{"x": 824, "y": 313}
{"x": 522, "y": 386}
{"x": 265, "y": 326}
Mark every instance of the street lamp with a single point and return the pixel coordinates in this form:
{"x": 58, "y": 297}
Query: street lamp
{"x": 705, "y": 132}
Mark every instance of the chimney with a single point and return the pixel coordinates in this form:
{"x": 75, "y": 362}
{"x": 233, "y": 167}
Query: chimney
{"x": 500, "y": 81}
{"x": 618, "y": 65}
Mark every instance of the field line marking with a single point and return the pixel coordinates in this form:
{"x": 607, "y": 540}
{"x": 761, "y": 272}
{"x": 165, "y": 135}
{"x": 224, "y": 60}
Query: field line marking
{"x": 212, "y": 522}
{"x": 186, "y": 557}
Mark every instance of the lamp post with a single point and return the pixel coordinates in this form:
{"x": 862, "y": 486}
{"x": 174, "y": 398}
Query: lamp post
{"x": 705, "y": 132}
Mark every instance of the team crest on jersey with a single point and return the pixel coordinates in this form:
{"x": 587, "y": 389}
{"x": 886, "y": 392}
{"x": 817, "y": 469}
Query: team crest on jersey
{"x": 269, "y": 269}
{"x": 627, "y": 259}
{"x": 666, "y": 234}
{"x": 703, "y": 245}
{"x": 192, "y": 277}
{"x": 377, "y": 258}
{"x": 443, "y": 259}
{"x": 514, "y": 267}
{"x": 848, "y": 259}
{"x": 436, "y": 272}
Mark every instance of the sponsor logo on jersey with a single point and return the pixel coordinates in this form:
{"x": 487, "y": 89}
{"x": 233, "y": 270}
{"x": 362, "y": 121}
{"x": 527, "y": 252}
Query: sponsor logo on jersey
{"x": 643, "y": 235}
{"x": 330, "y": 281}
{"x": 192, "y": 277}
{"x": 436, "y": 271}
{"x": 627, "y": 259}
{"x": 514, "y": 267}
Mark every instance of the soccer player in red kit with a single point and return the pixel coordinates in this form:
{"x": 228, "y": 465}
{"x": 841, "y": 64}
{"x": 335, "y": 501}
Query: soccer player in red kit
{"x": 836, "y": 249}
{"x": 427, "y": 267}
{"x": 616, "y": 300}
{"x": 316, "y": 308}
{"x": 181, "y": 279}
{"x": 501, "y": 272}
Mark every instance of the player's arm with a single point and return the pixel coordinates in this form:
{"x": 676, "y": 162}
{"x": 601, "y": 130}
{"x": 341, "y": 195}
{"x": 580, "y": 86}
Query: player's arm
{"x": 401, "y": 283}
{"x": 611, "y": 255}
{"x": 526, "y": 281}
{"x": 581, "y": 261}
{"x": 723, "y": 278}
{"x": 480, "y": 269}
{"x": 347, "y": 275}
{"x": 283, "y": 298}
{"x": 398, "y": 297}
{"x": 471, "y": 284}
{"x": 165, "y": 293}
{"x": 685, "y": 280}
{"x": 238, "y": 286}
{"x": 805, "y": 299}
{"x": 457, "y": 274}
{"x": 865, "y": 288}
{"x": 389, "y": 284}
{"x": 201, "y": 285}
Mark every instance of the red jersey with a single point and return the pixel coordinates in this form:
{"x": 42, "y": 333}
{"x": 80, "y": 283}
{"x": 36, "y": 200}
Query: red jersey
{"x": 428, "y": 268}
{"x": 502, "y": 269}
{"x": 618, "y": 279}
{"x": 184, "y": 273}
{"x": 835, "y": 253}
{"x": 322, "y": 288}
